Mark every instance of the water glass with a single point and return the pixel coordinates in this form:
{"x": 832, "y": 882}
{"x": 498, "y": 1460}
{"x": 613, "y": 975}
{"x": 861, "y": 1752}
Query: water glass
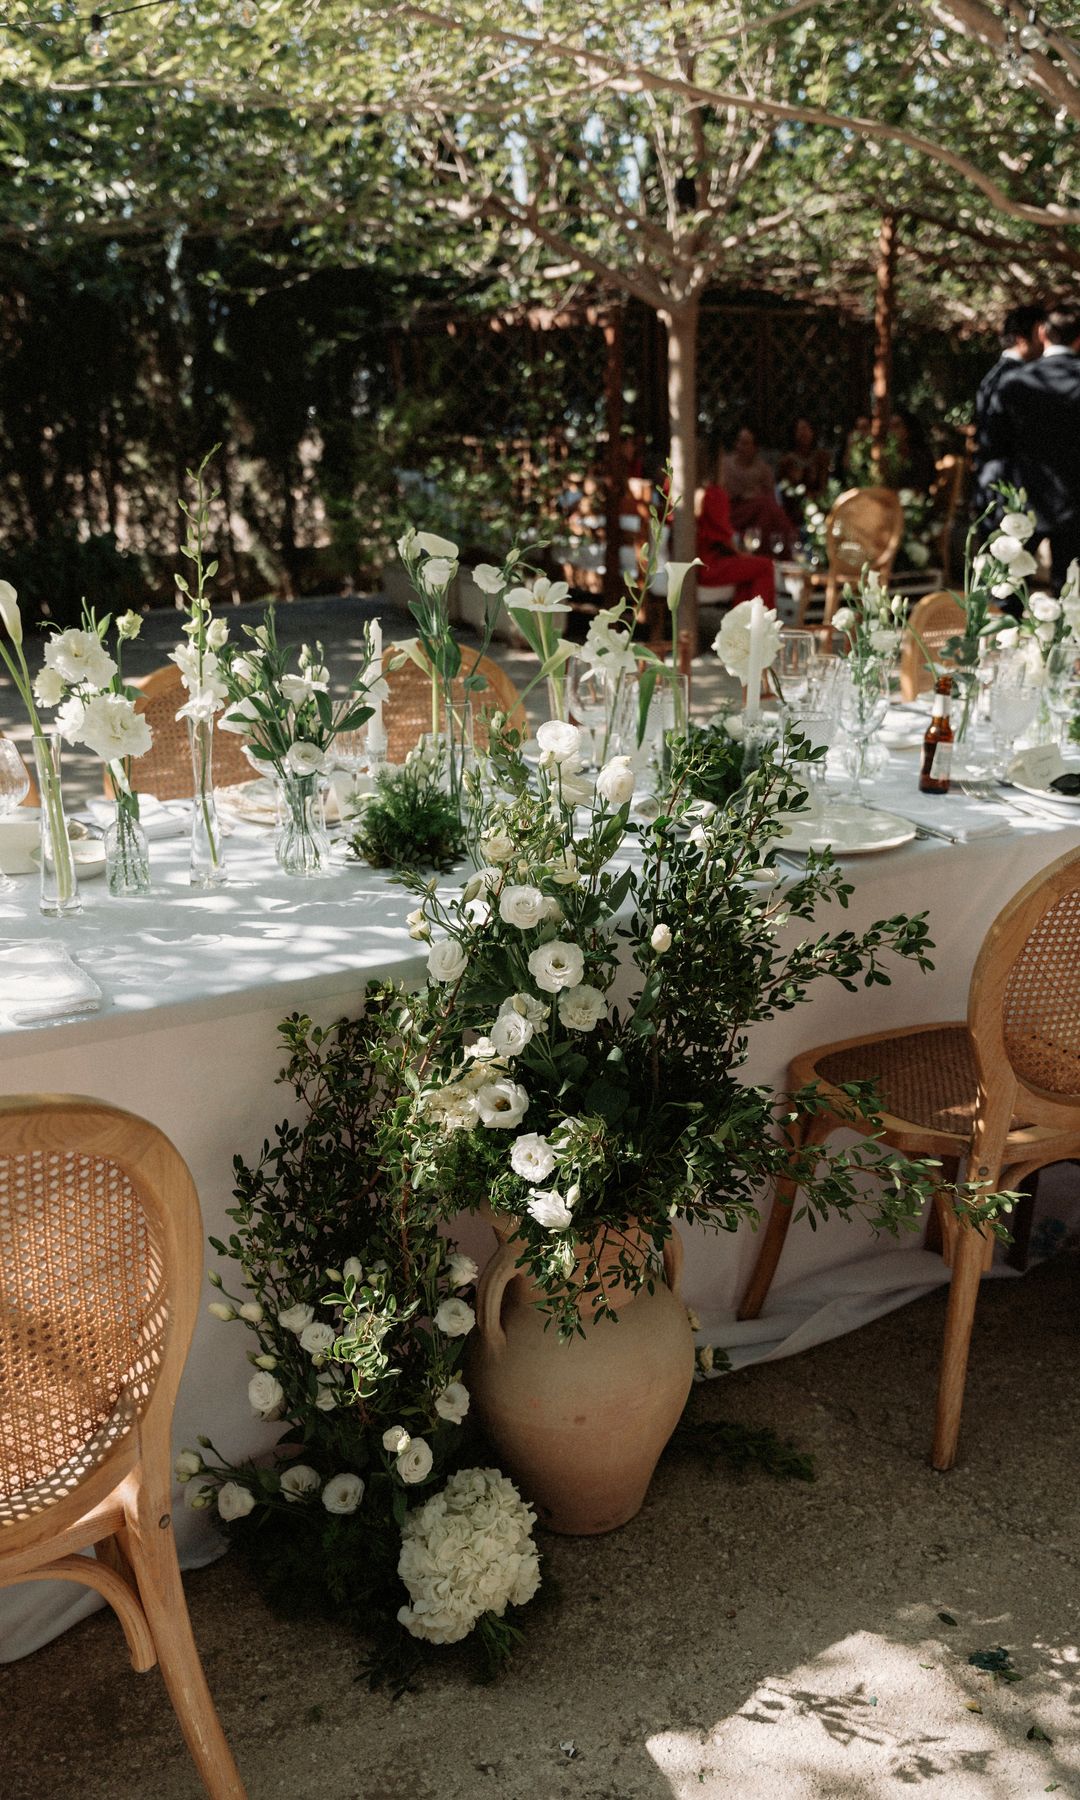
{"x": 794, "y": 661}
{"x": 592, "y": 696}
{"x": 1063, "y": 688}
{"x": 1014, "y": 701}
{"x": 14, "y": 787}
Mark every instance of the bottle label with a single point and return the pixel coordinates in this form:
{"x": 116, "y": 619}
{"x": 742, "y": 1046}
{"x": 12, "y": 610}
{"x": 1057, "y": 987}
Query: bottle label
{"x": 941, "y": 762}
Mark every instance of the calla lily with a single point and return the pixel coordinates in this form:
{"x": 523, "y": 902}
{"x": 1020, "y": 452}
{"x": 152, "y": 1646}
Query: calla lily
{"x": 676, "y": 575}
{"x": 10, "y": 615}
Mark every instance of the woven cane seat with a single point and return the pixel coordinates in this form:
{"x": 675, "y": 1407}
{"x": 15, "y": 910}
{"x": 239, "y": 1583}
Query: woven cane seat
{"x": 927, "y": 1077}
{"x": 407, "y": 714}
{"x": 81, "y": 1321}
{"x": 166, "y": 771}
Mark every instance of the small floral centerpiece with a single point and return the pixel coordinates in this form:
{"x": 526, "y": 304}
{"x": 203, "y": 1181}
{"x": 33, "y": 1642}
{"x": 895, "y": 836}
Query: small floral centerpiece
{"x": 197, "y": 661}
{"x": 290, "y": 722}
{"x": 98, "y": 710}
{"x": 872, "y": 622}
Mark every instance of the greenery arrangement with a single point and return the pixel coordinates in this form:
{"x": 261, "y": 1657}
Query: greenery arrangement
{"x": 410, "y": 821}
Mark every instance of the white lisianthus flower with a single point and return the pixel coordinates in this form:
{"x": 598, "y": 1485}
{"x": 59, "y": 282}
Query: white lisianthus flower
{"x": 455, "y": 1318}
{"x": 1045, "y": 633}
{"x": 437, "y": 574}
{"x": 558, "y": 740}
{"x": 1002, "y": 590}
{"x": 1018, "y": 525}
{"x": 406, "y": 544}
{"x": 732, "y": 641}
{"x": 609, "y": 643}
{"x": 252, "y": 1312}
{"x": 69, "y": 719}
{"x": 843, "y": 619}
{"x": 299, "y": 1481}
{"x": 543, "y": 596}
{"x": 413, "y": 1463}
{"x": 240, "y": 717}
{"x": 266, "y": 1395}
{"x": 446, "y": 960}
{"x": 128, "y": 626}
{"x": 556, "y": 966}
{"x": 461, "y": 1270}
{"x": 429, "y": 544}
{"x": 187, "y": 1464}
{"x": 453, "y": 1402}
{"x": 582, "y": 1008}
{"x": 496, "y": 847}
{"x": 343, "y": 1494}
{"x": 317, "y": 1338}
{"x": 501, "y": 1105}
{"x": 615, "y": 782}
{"x": 483, "y": 1050}
{"x": 234, "y": 1501}
{"x": 510, "y": 1034}
{"x": 112, "y": 729}
{"x": 1009, "y": 550}
{"x": 661, "y": 939}
{"x": 220, "y": 1309}
{"x": 532, "y": 1157}
{"x": 305, "y": 759}
{"x": 354, "y": 1268}
{"x": 10, "y": 616}
{"x": 48, "y": 687}
{"x": 564, "y": 869}
{"x": 299, "y": 689}
{"x": 1044, "y": 608}
{"x": 488, "y": 578}
{"x": 395, "y": 1440}
{"x": 245, "y": 667}
{"x": 884, "y": 640}
{"x": 529, "y": 1007}
{"x": 1008, "y": 638}
{"x": 549, "y": 1209}
{"x": 79, "y": 656}
{"x": 521, "y": 906}
{"x": 296, "y": 1318}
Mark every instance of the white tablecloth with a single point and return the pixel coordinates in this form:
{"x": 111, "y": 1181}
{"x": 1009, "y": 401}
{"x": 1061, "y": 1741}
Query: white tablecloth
{"x": 195, "y": 983}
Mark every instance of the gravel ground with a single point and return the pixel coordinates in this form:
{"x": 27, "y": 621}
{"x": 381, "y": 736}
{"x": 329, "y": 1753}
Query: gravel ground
{"x": 742, "y": 1639}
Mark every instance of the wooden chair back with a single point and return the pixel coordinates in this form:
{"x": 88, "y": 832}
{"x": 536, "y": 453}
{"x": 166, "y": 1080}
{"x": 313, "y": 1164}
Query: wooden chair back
{"x": 864, "y": 528}
{"x": 1024, "y": 1001}
{"x": 936, "y": 618}
{"x": 407, "y": 712}
{"x": 165, "y": 771}
{"x": 101, "y": 1261}
{"x": 947, "y": 492}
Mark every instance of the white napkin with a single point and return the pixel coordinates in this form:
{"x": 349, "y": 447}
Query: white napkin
{"x": 158, "y": 818}
{"x": 40, "y": 982}
{"x": 960, "y": 823}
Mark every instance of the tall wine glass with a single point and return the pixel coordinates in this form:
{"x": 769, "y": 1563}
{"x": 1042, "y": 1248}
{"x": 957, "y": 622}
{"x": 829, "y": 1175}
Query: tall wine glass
{"x": 863, "y": 692}
{"x": 14, "y": 787}
{"x": 1063, "y": 688}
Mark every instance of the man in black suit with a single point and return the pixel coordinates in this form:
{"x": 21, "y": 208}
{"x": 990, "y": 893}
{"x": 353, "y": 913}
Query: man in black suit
{"x": 1021, "y": 342}
{"x": 1034, "y": 419}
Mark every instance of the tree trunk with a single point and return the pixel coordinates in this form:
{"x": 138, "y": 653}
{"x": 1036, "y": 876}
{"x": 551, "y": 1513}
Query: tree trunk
{"x": 884, "y": 314}
{"x": 682, "y": 330}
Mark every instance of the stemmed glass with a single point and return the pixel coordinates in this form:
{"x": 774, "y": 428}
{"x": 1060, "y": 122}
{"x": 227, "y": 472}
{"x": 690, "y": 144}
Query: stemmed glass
{"x": 863, "y": 693}
{"x": 1063, "y": 687}
{"x": 1014, "y": 701}
{"x": 591, "y": 697}
{"x": 14, "y": 787}
{"x": 794, "y": 663}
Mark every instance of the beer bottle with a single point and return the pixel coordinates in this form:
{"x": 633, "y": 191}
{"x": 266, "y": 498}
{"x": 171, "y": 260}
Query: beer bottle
{"x": 938, "y": 742}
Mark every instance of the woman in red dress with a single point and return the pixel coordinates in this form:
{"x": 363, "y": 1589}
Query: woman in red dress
{"x": 724, "y": 565}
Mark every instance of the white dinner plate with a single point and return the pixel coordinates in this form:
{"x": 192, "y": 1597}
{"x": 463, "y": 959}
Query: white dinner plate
{"x": 1033, "y": 771}
{"x": 846, "y": 830}
{"x": 902, "y": 734}
{"x": 87, "y": 853}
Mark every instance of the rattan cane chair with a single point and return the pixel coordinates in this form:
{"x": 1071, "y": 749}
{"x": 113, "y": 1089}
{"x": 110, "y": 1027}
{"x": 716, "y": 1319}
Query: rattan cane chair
{"x": 165, "y": 771}
{"x": 937, "y": 618}
{"x": 407, "y": 713}
{"x": 101, "y": 1261}
{"x": 999, "y": 1094}
{"x": 863, "y": 529}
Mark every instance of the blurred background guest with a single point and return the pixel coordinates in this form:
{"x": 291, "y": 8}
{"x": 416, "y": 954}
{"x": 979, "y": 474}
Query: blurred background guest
{"x": 1021, "y": 342}
{"x": 747, "y": 480}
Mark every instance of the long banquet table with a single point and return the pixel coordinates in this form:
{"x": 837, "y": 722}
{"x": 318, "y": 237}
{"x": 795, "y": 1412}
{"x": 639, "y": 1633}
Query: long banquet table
{"x": 195, "y": 984}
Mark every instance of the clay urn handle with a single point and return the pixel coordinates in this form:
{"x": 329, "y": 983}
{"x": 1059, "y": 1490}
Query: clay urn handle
{"x": 493, "y": 1283}
{"x": 673, "y": 1261}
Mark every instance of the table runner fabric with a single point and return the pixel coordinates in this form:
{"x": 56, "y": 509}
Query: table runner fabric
{"x": 196, "y": 983}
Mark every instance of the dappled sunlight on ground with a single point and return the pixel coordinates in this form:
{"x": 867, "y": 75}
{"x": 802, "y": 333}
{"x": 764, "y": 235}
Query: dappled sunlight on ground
{"x": 870, "y": 1717}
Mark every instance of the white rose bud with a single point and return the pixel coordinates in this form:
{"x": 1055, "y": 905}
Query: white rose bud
{"x": 296, "y": 1318}
{"x": 395, "y": 1440}
{"x": 317, "y": 1338}
{"x": 266, "y": 1362}
{"x": 187, "y": 1464}
{"x": 615, "y": 782}
{"x": 446, "y": 960}
{"x": 252, "y": 1312}
{"x": 234, "y": 1501}
{"x": 266, "y": 1395}
{"x": 661, "y": 939}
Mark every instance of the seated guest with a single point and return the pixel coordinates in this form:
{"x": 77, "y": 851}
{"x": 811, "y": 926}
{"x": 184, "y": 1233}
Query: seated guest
{"x": 724, "y": 566}
{"x": 806, "y": 464}
{"x": 747, "y": 480}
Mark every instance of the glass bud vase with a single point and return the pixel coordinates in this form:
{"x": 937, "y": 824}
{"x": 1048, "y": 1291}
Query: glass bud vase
{"x": 207, "y": 866}
{"x": 301, "y": 844}
{"x": 127, "y": 857}
{"x": 59, "y": 885}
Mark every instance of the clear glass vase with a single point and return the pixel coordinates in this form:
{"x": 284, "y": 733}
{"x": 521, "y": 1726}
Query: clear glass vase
{"x": 59, "y": 885}
{"x": 127, "y": 857}
{"x": 301, "y": 844}
{"x": 207, "y": 866}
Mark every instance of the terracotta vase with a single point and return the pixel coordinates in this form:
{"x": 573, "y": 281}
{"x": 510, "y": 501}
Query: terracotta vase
{"x": 580, "y": 1425}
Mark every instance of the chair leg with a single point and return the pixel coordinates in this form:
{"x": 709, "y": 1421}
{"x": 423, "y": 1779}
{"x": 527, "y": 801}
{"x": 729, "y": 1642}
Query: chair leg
{"x": 811, "y": 1131}
{"x": 152, "y": 1549}
{"x": 968, "y": 1263}
{"x": 1021, "y": 1223}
